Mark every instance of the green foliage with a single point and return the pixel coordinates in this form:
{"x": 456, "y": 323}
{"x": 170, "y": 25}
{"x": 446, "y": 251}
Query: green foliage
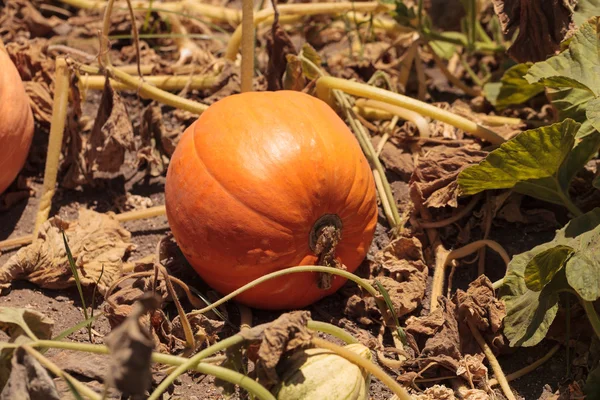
{"x": 513, "y": 88}
{"x": 538, "y": 162}
{"x": 535, "y": 278}
{"x": 578, "y": 67}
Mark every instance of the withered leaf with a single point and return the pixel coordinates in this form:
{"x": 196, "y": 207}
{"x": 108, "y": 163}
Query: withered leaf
{"x": 403, "y": 273}
{"x": 279, "y": 46}
{"x": 438, "y": 331}
{"x": 286, "y": 333}
{"x": 90, "y": 365}
{"x": 479, "y": 306}
{"x": 111, "y": 138}
{"x": 293, "y": 78}
{"x": 28, "y": 380}
{"x": 542, "y": 25}
{"x": 436, "y": 392}
{"x": 131, "y": 347}
{"x": 433, "y": 183}
{"x": 97, "y": 242}
{"x": 22, "y": 325}
{"x": 25, "y": 322}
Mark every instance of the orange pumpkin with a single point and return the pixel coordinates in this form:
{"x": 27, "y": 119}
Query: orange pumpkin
{"x": 251, "y": 183}
{"x": 16, "y": 122}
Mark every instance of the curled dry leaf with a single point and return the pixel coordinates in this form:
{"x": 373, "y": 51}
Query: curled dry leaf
{"x": 401, "y": 270}
{"x": 17, "y": 322}
{"x": 28, "y": 380}
{"x": 158, "y": 143}
{"x": 436, "y": 392}
{"x": 205, "y": 330}
{"x": 479, "y": 306}
{"x": 19, "y": 18}
{"x": 542, "y": 25}
{"x": 37, "y": 72}
{"x": 286, "y": 333}
{"x": 131, "y": 347}
{"x": 279, "y": 46}
{"x": 97, "y": 241}
{"x": 21, "y": 325}
{"x": 112, "y": 136}
{"x": 433, "y": 183}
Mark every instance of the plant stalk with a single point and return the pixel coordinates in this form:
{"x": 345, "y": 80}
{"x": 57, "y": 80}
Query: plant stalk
{"x": 327, "y": 83}
{"x": 247, "y": 45}
{"x": 55, "y": 140}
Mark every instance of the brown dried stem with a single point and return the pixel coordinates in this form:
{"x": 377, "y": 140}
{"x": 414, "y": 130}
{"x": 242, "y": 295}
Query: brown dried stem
{"x": 439, "y": 273}
{"x": 493, "y": 362}
{"x": 57, "y": 128}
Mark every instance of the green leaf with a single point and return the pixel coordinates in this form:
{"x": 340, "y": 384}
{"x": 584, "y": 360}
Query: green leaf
{"x": 583, "y": 268}
{"x": 544, "y": 266}
{"x": 576, "y": 67}
{"x": 585, "y": 10}
{"x": 529, "y": 313}
{"x": 513, "y": 88}
{"x": 443, "y": 49}
{"x": 592, "y": 384}
{"x": 593, "y": 113}
{"x": 529, "y": 163}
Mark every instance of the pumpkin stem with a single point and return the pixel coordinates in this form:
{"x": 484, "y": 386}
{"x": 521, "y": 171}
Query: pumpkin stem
{"x": 324, "y": 238}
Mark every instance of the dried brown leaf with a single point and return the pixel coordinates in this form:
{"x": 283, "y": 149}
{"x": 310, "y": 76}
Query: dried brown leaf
{"x": 112, "y": 136}
{"x": 397, "y": 160}
{"x": 37, "y": 72}
{"x": 131, "y": 347}
{"x": 401, "y": 269}
{"x": 28, "y": 380}
{"x": 286, "y": 333}
{"x": 436, "y": 392}
{"x": 479, "y": 306}
{"x": 542, "y": 25}
{"x": 97, "y": 241}
{"x": 433, "y": 183}
{"x": 19, "y": 18}
{"x": 279, "y": 46}
{"x": 293, "y": 78}
{"x": 90, "y": 365}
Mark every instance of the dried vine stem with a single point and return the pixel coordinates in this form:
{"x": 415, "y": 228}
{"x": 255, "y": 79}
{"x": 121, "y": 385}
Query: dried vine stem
{"x": 408, "y": 115}
{"x": 247, "y": 45}
{"x": 164, "y": 82}
{"x": 439, "y": 273}
{"x": 304, "y": 10}
{"x": 326, "y": 84}
{"x": 493, "y": 362}
{"x": 55, "y": 369}
{"x": 55, "y": 139}
{"x": 450, "y": 220}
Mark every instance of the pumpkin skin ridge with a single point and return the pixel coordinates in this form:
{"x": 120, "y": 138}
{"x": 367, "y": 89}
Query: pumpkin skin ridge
{"x": 228, "y": 192}
{"x": 361, "y": 193}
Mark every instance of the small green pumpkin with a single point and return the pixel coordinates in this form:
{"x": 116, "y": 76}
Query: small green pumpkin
{"x": 320, "y": 374}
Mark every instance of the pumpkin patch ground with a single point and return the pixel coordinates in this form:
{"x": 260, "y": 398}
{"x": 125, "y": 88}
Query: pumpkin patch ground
{"x": 366, "y": 200}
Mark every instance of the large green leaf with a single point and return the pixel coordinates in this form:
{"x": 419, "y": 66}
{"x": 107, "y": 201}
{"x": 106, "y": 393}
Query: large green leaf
{"x": 529, "y": 163}
{"x": 585, "y": 10}
{"x": 578, "y": 68}
{"x": 513, "y": 88}
{"x": 529, "y": 313}
{"x": 542, "y": 268}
